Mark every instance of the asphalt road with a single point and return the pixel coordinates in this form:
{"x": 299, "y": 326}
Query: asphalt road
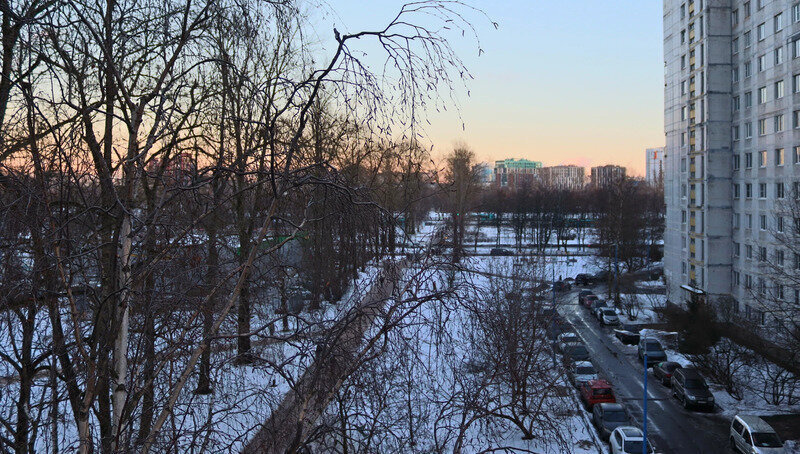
{"x": 671, "y": 428}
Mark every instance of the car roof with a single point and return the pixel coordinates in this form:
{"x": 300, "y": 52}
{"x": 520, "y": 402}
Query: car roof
{"x": 599, "y": 383}
{"x": 583, "y": 364}
{"x": 690, "y": 373}
{"x": 630, "y": 432}
{"x": 755, "y": 423}
{"x": 612, "y": 407}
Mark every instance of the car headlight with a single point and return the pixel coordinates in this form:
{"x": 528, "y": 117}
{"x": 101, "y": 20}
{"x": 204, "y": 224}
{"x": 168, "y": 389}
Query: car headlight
{"x": 711, "y": 399}
{"x": 691, "y": 397}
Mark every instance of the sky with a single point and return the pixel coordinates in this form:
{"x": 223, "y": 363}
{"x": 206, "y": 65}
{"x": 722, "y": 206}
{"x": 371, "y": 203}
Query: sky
{"x": 562, "y": 82}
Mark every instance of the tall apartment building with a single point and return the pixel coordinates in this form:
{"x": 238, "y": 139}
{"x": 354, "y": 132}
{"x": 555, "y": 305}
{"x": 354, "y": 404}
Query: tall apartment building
{"x": 605, "y": 176}
{"x": 563, "y": 177}
{"x": 732, "y": 97}
{"x": 654, "y": 166}
{"x": 514, "y": 172}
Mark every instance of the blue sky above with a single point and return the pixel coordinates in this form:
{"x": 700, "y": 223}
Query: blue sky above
{"x": 563, "y": 82}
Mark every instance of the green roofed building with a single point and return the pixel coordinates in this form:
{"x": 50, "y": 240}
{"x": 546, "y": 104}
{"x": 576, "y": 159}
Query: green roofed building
{"x": 512, "y": 172}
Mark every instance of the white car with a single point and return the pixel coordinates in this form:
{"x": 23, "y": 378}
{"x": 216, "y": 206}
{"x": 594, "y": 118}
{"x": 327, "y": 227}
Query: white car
{"x": 582, "y": 371}
{"x": 627, "y": 440}
{"x": 566, "y": 339}
{"x": 752, "y": 435}
{"x": 609, "y": 317}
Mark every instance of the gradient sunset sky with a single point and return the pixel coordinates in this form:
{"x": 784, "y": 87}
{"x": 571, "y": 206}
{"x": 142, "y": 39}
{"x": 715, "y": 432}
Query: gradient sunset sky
{"x": 562, "y": 82}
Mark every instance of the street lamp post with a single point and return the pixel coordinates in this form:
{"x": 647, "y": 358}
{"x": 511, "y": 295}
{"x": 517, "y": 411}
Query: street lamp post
{"x": 644, "y": 424}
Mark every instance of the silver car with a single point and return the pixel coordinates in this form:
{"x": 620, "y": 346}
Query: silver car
{"x": 752, "y": 435}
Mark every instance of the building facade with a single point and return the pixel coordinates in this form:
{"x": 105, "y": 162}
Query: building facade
{"x": 732, "y": 103}
{"x": 605, "y": 176}
{"x": 563, "y": 177}
{"x": 515, "y": 172}
{"x": 654, "y": 166}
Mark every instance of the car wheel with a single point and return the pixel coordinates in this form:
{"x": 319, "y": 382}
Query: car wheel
{"x": 685, "y": 402}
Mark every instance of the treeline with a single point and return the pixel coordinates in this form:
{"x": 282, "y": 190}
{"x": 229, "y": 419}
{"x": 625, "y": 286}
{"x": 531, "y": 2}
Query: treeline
{"x": 170, "y": 169}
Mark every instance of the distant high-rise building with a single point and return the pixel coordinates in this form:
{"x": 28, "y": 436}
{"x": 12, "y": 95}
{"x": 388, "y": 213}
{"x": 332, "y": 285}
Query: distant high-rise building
{"x": 655, "y": 166}
{"x": 515, "y": 172}
{"x": 563, "y": 177}
{"x": 605, "y": 176}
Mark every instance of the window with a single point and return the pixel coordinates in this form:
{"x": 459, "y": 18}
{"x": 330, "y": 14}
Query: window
{"x": 762, "y": 127}
{"x": 748, "y": 190}
{"x": 683, "y": 87}
{"x": 748, "y": 251}
{"x": 763, "y": 224}
{"x": 736, "y": 162}
{"x": 796, "y": 261}
{"x": 735, "y": 132}
{"x": 735, "y": 74}
{"x": 778, "y": 123}
{"x": 735, "y": 17}
{"x": 762, "y": 253}
{"x": 762, "y": 62}
{"x": 735, "y": 46}
{"x": 777, "y": 21}
{"x": 683, "y": 113}
{"x": 762, "y": 190}
{"x": 683, "y": 139}
{"x": 748, "y": 39}
{"x": 735, "y": 190}
{"x": 762, "y": 158}
{"x": 748, "y": 99}
{"x": 779, "y": 55}
{"x": 779, "y": 91}
{"x": 683, "y": 36}
{"x": 761, "y": 31}
{"x": 746, "y": 8}
{"x": 735, "y": 103}
{"x": 796, "y": 12}
{"x": 749, "y": 219}
{"x": 762, "y": 95}
{"x": 779, "y": 223}
{"x": 780, "y": 191}
{"x": 736, "y": 221}
{"x": 748, "y": 130}
{"x": 779, "y": 157}
{"x": 796, "y": 155}
{"x": 736, "y": 249}
{"x": 748, "y": 69}
{"x": 748, "y": 160}
{"x": 796, "y": 48}
{"x": 796, "y": 119}
{"x": 748, "y": 283}
{"x": 683, "y": 61}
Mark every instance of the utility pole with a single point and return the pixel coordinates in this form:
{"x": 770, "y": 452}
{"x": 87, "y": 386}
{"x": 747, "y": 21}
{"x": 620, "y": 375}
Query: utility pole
{"x": 644, "y": 424}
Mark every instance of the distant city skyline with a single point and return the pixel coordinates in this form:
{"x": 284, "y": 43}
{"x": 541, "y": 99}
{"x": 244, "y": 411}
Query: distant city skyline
{"x": 577, "y": 82}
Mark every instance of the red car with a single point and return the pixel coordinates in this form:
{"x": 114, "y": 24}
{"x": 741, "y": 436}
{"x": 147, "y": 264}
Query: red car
{"x": 596, "y": 392}
{"x": 588, "y": 300}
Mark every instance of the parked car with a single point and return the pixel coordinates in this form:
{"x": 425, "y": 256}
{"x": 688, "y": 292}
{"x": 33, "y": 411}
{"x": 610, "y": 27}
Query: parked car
{"x": 500, "y": 252}
{"x": 589, "y": 300}
{"x": 626, "y": 336}
{"x": 567, "y": 338}
{"x": 598, "y": 304}
{"x": 582, "y": 294}
{"x": 584, "y": 280}
{"x": 655, "y": 352}
{"x": 557, "y": 327}
{"x": 580, "y": 372}
{"x": 575, "y": 352}
{"x": 596, "y": 392}
{"x": 628, "y": 440}
{"x": 751, "y": 434}
{"x": 663, "y": 371}
{"x": 609, "y": 317}
{"x": 562, "y": 286}
{"x": 691, "y": 389}
{"x": 606, "y": 417}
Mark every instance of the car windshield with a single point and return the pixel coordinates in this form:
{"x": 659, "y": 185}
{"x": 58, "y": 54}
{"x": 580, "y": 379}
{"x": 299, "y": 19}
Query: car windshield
{"x": 766, "y": 440}
{"x": 615, "y": 416}
{"x": 695, "y": 383}
{"x": 635, "y": 447}
{"x": 671, "y": 367}
{"x": 609, "y": 312}
{"x": 602, "y": 391}
{"x": 586, "y": 370}
{"x": 653, "y": 347}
